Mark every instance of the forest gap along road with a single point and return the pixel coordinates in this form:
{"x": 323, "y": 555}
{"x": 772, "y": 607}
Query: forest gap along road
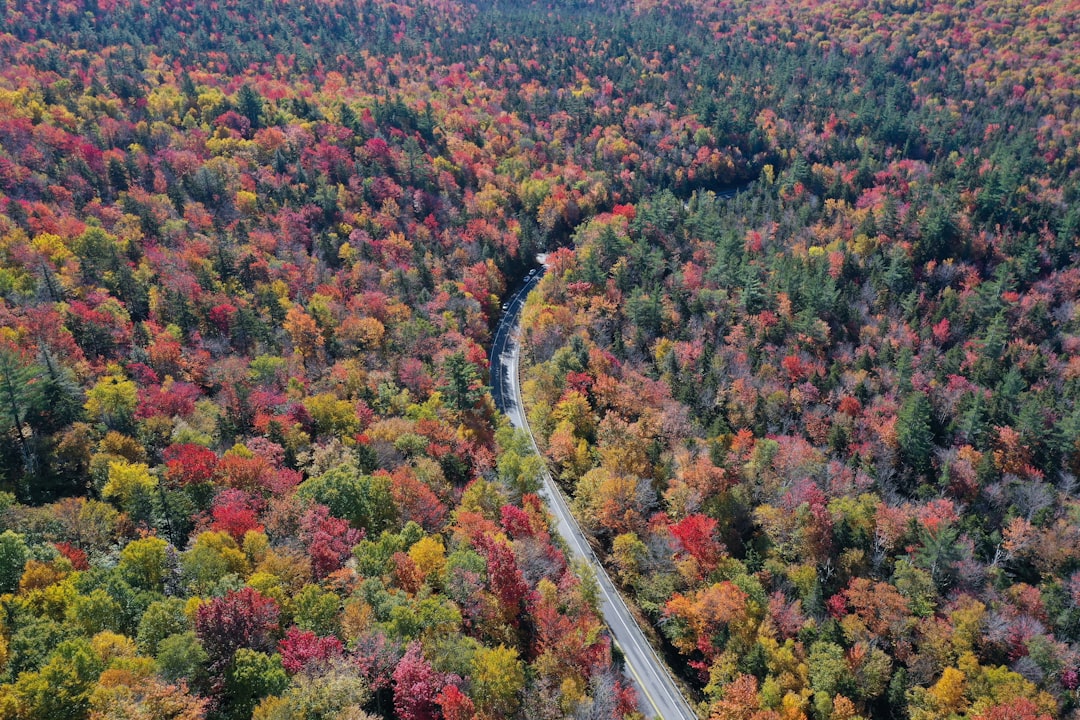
{"x": 660, "y": 697}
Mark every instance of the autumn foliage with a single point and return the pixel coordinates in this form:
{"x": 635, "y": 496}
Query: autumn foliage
{"x": 823, "y": 431}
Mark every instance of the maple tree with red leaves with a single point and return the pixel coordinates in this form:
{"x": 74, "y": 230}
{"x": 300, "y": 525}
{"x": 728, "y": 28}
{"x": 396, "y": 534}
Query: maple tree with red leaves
{"x": 239, "y": 619}
{"x": 189, "y": 464}
{"x": 300, "y": 649}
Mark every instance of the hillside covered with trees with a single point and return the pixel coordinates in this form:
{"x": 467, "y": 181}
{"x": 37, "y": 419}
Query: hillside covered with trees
{"x": 824, "y": 433}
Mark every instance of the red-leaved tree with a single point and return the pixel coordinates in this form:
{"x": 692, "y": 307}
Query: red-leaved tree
{"x": 188, "y": 464}
{"x": 329, "y": 540}
{"x": 696, "y": 535}
{"x": 301, "y": 648}
{"x": 236, "y": 512}
{"x": 455, "y": 705}
{"x": 504, "y": 576}
{"x": 416, "y": 686}
{"x": 240, "y": 619}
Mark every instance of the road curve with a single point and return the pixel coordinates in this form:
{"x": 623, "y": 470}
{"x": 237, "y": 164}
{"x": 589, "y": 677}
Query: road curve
{"x": 660, "y": 697}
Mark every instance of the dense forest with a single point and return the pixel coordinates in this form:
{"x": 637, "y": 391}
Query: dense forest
{"x": 824, "y": 433}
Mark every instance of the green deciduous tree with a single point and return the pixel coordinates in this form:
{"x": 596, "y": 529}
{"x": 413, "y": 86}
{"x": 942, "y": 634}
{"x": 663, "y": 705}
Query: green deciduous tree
{"x": 316, "y": 610}
{"x": 181, "y": 657}
{"x": 161, "y": 619}
{"x": 252, "y": 676}
{"x": 94, "y": 612}
{"x": 363, "y": 500}
{"x": 61, "y": 689}
{"x": 13, "y": 556}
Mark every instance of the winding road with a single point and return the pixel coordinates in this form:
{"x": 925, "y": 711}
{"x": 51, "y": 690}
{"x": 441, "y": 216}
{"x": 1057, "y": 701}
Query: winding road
{"x": 660, "y": 697}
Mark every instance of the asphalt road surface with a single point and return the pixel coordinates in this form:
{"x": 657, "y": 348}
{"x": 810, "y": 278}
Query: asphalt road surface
{"x": 660, "y": 697}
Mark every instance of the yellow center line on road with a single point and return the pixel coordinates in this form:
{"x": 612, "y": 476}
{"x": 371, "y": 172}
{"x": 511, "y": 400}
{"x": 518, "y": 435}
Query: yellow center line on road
{"x": 637, "y": 678}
